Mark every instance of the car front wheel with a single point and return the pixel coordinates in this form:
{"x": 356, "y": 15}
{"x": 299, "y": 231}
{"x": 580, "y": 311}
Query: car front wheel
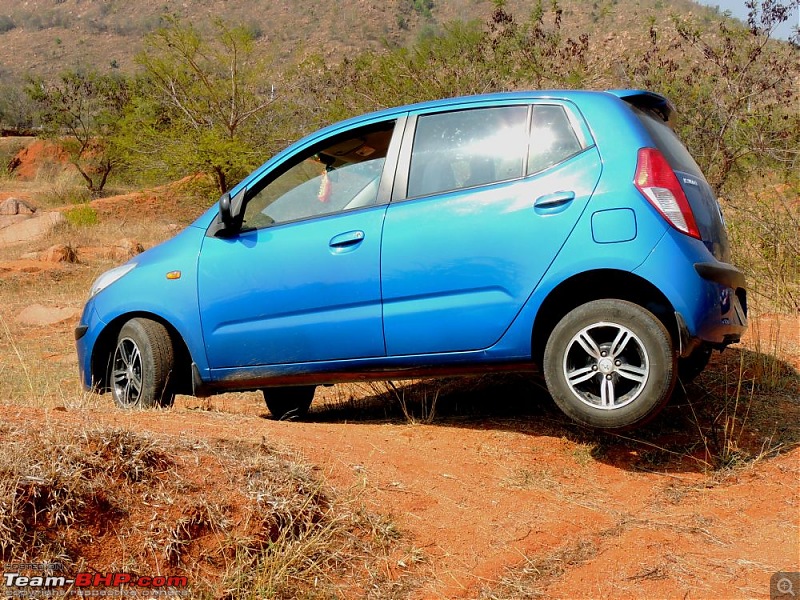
{"x": 610, "y": 364}
{"x": 142, "y": 365}
{"x": 291, "y": 402}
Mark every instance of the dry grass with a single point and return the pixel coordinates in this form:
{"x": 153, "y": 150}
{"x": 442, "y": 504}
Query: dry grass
{"x": 531, "y": 578}
{"x": 52, "y": 482}
{"x": 38, "y": 365}
{"x": 239, "y": 520}
{"x": 764, "y": 221}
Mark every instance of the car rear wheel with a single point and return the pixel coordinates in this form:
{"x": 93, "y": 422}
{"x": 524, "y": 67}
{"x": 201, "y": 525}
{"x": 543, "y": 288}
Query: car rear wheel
{"x": 142, "y": 365}
{"x": 610, "y": 364}
{"x": 291, "y": 402}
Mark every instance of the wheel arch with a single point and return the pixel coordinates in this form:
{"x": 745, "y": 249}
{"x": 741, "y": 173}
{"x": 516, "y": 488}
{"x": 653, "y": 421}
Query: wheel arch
{"x": 596, "y": 285}
{"x": 104, "y": 347}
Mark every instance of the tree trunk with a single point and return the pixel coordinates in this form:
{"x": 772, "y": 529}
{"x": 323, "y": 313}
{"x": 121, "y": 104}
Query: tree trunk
{"x": 222, "y": 181}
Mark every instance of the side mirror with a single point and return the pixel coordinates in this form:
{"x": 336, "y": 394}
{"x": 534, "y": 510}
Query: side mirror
{"x": 225, "y": 210}
{"x": 230, "y": 215}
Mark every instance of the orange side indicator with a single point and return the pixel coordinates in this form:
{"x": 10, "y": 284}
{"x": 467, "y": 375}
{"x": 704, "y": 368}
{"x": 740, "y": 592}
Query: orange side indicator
{"x": 174, "y": 275}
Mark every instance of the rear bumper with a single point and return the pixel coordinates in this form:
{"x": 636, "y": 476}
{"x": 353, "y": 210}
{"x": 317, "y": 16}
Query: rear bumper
{"x": 728, "y": 321}
{"x": 708, "y": 297}
{"x": 721, "y": 273}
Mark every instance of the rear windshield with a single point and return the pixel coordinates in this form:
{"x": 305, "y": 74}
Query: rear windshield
{"x": 668, "y": 143}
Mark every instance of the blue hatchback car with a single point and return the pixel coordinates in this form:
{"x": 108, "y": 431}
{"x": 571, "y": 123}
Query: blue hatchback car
{"x": 566, "y": 229}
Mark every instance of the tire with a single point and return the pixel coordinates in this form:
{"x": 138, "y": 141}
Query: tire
{"x": 694, "y": 364}
{"x": 289, "y": 403}
{"x": 610, "y": 364}
{"x": 142, "y": 365}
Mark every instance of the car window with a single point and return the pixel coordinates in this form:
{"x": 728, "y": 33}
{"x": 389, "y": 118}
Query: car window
{"x": 341, "y": 174}
{"x": 668, "y": 143}
{"x": 467, "y": 148}
{"x": 552, "y": 138}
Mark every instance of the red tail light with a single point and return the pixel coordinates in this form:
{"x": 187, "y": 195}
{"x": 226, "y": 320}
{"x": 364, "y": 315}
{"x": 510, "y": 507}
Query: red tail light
{"x": 657, "y": 182}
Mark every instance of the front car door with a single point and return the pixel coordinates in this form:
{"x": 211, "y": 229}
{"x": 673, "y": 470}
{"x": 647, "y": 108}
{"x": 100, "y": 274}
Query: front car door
{"x": 300, "y": 282}
{"x": 484, "y": 199}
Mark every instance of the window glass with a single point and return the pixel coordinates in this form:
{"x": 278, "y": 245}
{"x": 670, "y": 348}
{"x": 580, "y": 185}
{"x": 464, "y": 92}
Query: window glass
{"x": 467, "y": 148}
{"x": 342, "y": 174}
{"x": 668, "y": 143}
{"x": 552, "y": 138}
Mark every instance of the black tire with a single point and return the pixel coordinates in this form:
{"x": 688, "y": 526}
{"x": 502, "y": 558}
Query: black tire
{"x": 141, "y": 365}
{"x": 288, "y": 403}
{"x": 691, "y": 366}
{"x": 610, "y": 364}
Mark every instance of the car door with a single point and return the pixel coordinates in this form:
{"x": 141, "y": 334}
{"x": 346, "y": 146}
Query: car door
{"x": 300, "y": 282}
{"x": 484, "y": 199}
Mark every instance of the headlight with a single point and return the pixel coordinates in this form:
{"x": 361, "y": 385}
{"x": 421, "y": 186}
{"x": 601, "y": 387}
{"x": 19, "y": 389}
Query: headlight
{"x": 109, "y": 277}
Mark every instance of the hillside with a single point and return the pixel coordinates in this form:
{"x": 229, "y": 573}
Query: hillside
{"x": 46, "y": 37}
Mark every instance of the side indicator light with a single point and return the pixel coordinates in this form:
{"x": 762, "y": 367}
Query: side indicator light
{"x": 174, "y": 275}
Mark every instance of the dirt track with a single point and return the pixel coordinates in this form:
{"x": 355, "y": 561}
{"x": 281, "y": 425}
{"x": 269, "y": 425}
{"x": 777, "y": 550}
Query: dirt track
{"x": 483, "y": 498}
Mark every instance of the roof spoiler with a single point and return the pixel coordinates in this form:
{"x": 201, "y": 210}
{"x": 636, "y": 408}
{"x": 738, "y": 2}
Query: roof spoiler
{"x": 647, "y": 101}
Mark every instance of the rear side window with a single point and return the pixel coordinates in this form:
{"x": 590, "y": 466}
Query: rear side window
{"x": 668, "y": 143}
{"x": 552, "y": 138}
{"x": 467, "y": 148}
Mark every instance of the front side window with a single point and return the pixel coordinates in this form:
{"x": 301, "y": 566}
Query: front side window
{"x": 553, "y": 139}
{"x": 341, "y": 174}
{"x": 467, "y": 148}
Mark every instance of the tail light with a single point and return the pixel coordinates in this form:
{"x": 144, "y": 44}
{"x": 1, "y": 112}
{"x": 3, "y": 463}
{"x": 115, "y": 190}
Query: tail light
{"x": 657, "y": 182}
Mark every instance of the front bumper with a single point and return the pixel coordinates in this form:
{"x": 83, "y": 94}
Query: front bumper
{"x": 86, "y": 334}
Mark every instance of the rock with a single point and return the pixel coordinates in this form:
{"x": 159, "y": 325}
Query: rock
{"x": 131, "y": 246}
{"x": 15, "y": 206}
{"x": 41, "y": 316}
{"x": 6, "y": 220}
{"x": 31, "y": 229}
{"x": 125, "y": 249}
{"x": 59, "y": 253}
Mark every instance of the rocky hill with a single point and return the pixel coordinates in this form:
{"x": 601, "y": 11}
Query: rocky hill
{"x": 46, "y": 37}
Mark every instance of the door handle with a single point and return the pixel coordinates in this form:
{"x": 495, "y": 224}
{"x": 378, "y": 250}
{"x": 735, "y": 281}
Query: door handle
{"x": 349, "y": 238}
{"x": 554, "y": 199}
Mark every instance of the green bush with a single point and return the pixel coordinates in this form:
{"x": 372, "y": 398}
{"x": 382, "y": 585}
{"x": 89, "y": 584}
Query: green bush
{"x": 82, "y": 216}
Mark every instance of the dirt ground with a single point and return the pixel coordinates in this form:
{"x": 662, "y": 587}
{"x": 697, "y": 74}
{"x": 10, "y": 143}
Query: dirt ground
{"x": 483, "y": 498}
{"x": 500, "y": 496}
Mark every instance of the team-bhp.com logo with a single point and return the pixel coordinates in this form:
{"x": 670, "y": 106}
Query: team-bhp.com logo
{"x": 51, "y": 581}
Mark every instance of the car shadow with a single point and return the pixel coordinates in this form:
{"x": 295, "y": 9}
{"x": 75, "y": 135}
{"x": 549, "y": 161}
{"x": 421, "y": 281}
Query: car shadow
{"x": 745, "y": 406}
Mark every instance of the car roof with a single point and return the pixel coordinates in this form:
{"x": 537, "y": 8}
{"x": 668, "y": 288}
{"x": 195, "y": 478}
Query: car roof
{"x": 634, "y": 96}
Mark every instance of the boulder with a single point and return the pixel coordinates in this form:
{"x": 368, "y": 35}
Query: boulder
{"x": 6, "y": 220}
{"x": 37, "y": 315}
{"x": 31, "y": 229}
{"x": 129, "y": 247}
{"x": 59, "y": 253}
{"x": 15, "y": 206}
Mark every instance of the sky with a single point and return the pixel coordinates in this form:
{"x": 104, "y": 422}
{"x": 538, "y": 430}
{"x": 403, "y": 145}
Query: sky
{"x": 738, "y": 10}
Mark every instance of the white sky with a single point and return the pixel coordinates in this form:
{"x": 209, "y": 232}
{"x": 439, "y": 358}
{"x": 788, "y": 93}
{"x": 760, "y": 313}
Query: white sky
{"x": 738, "y": 10}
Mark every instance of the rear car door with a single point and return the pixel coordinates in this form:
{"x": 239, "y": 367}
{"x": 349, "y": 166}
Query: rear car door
{"x": 484, "y": 199}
